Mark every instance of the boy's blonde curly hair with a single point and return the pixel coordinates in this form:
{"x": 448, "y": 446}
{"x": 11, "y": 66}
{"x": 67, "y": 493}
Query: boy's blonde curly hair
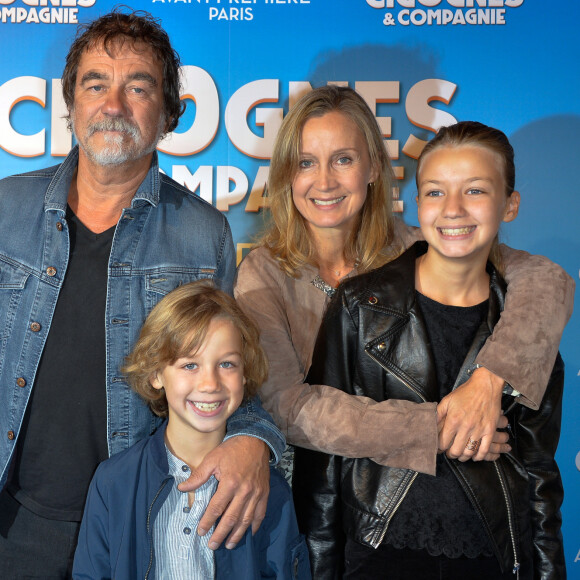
{"x": 177, "y": 326}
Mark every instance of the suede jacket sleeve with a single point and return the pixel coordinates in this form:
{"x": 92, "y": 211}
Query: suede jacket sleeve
{"x": 524, "y": 344}
{"x": 539, "y": 303}
{"x": 318, "y": 416}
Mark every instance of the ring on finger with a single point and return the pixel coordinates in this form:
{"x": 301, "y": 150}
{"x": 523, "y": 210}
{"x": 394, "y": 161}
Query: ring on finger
{"x": 472, "y": 445}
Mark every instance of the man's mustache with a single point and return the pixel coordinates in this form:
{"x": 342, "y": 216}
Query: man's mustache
{"x": 114, "y": 124}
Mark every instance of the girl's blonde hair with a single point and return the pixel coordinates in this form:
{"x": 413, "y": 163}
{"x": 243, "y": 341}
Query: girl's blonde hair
{"x": 177, "y": 327}
{"x": 287, "y": 236}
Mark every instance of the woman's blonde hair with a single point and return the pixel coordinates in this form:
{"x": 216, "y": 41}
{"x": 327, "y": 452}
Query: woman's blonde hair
{"x": 287, "y": 235}
{"x": 177, "y": 327}
{"x": 478, "y": 135}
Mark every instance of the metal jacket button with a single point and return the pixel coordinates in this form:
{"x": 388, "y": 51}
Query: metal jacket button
{"x": 11, "y": 435}
{"x": 59, "y": 226}
{"x": 20, "y": 382}
{"x": 34, "y": 326}
{"x": 51, "y": 271}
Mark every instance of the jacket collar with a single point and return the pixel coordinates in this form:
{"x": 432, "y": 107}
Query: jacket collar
{"x": 57, "y": 193}
{"x": 157, "y": 450}
{"x": 389, "y": 292}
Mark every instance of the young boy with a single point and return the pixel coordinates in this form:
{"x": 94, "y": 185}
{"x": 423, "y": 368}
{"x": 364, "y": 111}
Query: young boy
{"x": 197, "y": 357}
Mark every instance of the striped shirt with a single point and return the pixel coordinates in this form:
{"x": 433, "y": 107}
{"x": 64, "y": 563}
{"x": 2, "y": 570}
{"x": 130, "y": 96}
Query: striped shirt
{"x": 180, "y": 554}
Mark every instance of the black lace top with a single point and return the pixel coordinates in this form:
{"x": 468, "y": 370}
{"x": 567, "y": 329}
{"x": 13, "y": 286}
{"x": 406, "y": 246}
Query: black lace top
{"x": 436, "y": 515}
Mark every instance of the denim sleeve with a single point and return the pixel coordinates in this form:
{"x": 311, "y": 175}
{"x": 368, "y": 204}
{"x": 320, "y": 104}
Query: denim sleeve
{"x": 227, "y": 266}
{"x": 251, "y": 419}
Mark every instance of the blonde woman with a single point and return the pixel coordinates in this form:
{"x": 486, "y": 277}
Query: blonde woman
{"x": 330, "y": 191}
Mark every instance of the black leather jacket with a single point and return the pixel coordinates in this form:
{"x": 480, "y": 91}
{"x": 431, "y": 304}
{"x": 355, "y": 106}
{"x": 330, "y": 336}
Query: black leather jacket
{"x": 373, "y": 342}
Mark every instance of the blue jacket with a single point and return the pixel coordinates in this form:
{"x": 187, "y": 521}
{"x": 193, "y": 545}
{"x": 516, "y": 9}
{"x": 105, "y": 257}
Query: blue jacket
{"x": 167, "y": 237}
{"x": 127, "y": 491}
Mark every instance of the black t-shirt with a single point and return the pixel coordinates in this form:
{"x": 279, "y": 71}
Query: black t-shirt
{"x": 436, "y": 515}
{"x": 63, "y": 437}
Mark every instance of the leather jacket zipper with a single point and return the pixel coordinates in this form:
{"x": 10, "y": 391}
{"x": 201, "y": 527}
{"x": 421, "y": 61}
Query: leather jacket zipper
{"x": 148, "y": 526}
{"x": 407, "y": 486}
{"x": 516, "y": 568}
{"x": 397, "y": 376}
{"x": 411, "y": 476}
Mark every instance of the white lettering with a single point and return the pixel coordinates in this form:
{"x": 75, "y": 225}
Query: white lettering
{"x": 25, "y": 88}
{"x": 224, "y": 196}
{"x": 202, "y": 179}
{"x": 199, "y": 87}
{"x": 239, "y": 106}
{"x": 257, "y": 198}
{"x": 60, "y": 136}
{"x": 422, "y": 115}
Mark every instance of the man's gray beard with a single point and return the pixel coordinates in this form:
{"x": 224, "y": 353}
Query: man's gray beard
{"x": 115, "y": 153}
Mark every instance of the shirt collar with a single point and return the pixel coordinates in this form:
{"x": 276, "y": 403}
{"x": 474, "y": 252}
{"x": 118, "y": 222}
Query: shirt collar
{"x": 57, "y": 193}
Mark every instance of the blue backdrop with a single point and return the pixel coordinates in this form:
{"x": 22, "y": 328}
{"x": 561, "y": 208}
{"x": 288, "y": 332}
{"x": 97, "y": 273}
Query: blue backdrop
{"x": 419, "y": 63}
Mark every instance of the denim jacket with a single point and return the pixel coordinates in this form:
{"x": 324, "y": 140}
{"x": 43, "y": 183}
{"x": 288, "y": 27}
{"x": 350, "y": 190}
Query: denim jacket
{"x": 167, "y": 237}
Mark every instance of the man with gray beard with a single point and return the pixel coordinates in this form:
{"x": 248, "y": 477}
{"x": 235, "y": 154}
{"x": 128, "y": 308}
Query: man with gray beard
{"x": 87, "y": 249}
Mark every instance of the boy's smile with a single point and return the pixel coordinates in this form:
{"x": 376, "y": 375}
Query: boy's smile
{"x": 206, "y": 387}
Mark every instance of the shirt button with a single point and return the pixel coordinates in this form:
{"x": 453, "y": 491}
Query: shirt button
{"x": 187, "y": 531}
{"x": 20, "y": 382}
{"x": 51, "y": 271}
{"x": 11, "y": 435}
{"x": 186, "y": 510}
{"x": 184, "y": 468}
{"x": 59, "y": 226}
{"x": 34, "y": 326}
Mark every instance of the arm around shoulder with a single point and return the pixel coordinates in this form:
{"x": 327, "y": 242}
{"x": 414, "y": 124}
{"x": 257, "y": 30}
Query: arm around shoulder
{"x": 315, "y": 415}
{"x": 524, "y": 343}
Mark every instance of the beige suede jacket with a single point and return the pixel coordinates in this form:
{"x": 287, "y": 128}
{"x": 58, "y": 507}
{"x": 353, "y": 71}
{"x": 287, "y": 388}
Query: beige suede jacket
{"x": 288, "y": 311}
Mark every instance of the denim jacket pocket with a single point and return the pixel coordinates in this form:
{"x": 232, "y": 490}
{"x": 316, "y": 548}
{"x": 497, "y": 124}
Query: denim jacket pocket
{"x": 12, "y": 281}
{"x": 160, "y": 282}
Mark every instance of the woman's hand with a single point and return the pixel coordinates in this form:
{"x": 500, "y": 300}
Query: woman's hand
{"x": 468, "y": 417}
{"x": 240, "y": 464}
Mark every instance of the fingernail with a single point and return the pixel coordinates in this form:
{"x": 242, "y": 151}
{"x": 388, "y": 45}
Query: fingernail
{"x": 201, "y": 532}
{"x": 213, "y": 546}
{"x": 230, "y": 546}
